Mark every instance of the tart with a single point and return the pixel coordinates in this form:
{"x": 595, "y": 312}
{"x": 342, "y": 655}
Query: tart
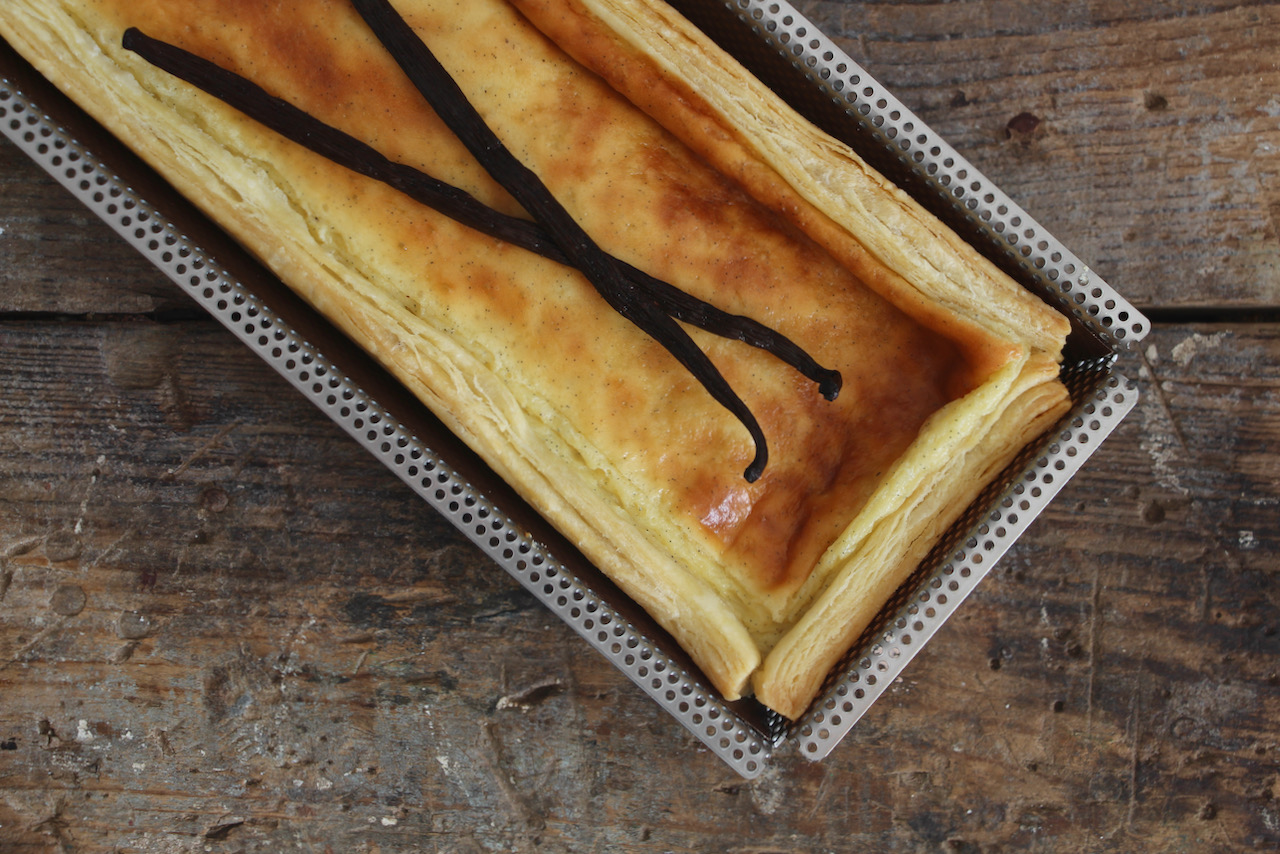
{"x": 676, "y": 163}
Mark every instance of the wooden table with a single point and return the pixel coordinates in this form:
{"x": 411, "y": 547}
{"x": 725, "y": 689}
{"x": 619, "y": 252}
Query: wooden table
{"x": 224, "y": 627}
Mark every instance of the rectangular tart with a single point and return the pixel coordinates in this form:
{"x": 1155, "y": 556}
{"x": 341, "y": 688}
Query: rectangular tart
{"x": 674, "y": 160}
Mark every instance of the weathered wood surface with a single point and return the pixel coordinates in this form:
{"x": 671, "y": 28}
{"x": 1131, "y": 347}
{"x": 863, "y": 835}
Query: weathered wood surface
{"x": 224, "y": 628}
{"x": 1145, "y": 136}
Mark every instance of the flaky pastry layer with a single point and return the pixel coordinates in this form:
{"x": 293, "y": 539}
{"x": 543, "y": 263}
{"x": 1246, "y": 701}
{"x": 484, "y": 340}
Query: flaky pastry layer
{"x": 678, "y": 162}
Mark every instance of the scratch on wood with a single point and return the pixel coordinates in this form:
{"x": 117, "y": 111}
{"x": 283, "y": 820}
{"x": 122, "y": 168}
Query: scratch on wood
{"x": 201, "y": 451}
{"x": 125, "y": 652}
{"x": 1094, "y": 598}
{"x": 1206, "y": 593}
{"x": 222, "y": 829}
{"x": 33, "y": 643}
{"x": 418, "y": 595}
{"x": 54, "y": 824}
{"x": 1136, "y": 718}
{"x": 113, "y": 546}
{"x": 1158, "y": 386}
{"x": 497, "y": 766}
{"x": 21, "y": 547}
{"x": 295, "y": 635}
{"x": 88, "y": 494}
{"x": 531, "y": 696}
{"x": 820, "y": 797}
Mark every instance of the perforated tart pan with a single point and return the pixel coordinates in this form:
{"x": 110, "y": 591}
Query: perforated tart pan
{"x": 820, "y": 80}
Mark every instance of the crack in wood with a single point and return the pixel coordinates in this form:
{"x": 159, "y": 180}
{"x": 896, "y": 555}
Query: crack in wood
{"x": 495, "y": 758}
{"x": 1158, "y": 386}
{"x": 201, "y": 451}
{"x": 35, "y": 641}
{"x": 1135, "y": 718}
{"x": 1095, "y": 597}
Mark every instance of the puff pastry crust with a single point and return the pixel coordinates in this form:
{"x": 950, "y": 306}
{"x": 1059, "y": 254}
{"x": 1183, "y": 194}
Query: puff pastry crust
{"x": 677, "y": 161}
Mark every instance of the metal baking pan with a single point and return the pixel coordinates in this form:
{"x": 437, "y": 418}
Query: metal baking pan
{"x": 820, "y": 80}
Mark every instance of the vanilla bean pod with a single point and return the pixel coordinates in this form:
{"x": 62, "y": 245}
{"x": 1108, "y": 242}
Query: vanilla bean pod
{"x": 646, "y": 301}
{"x": 304, "y": 129}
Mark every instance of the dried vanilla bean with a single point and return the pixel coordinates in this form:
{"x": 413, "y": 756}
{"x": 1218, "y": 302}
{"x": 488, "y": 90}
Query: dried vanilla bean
{"x": 350, "y": 153}
{"x": 302, "y": 128}
{"x": 649, "y": 303}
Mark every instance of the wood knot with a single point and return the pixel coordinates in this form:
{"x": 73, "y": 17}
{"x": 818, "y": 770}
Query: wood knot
{"x": 1022, "y": 128}
{"x": 133, "y": 626}
{"x": 1153, "y": 513}
{"x": 68, "y": 600}
{"x": 214, "y": 499}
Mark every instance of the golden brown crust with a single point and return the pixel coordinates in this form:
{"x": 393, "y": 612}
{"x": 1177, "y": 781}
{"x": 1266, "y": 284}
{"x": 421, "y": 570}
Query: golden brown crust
{"x": 588, "y": 418}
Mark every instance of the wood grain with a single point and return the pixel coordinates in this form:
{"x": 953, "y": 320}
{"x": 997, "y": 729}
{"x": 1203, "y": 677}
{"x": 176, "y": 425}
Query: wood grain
{"x": 223, "y": 627}
{"x": 1145, "y": 136}
{"x": 90, "y": 271}
{"x": 221, "y": 619}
